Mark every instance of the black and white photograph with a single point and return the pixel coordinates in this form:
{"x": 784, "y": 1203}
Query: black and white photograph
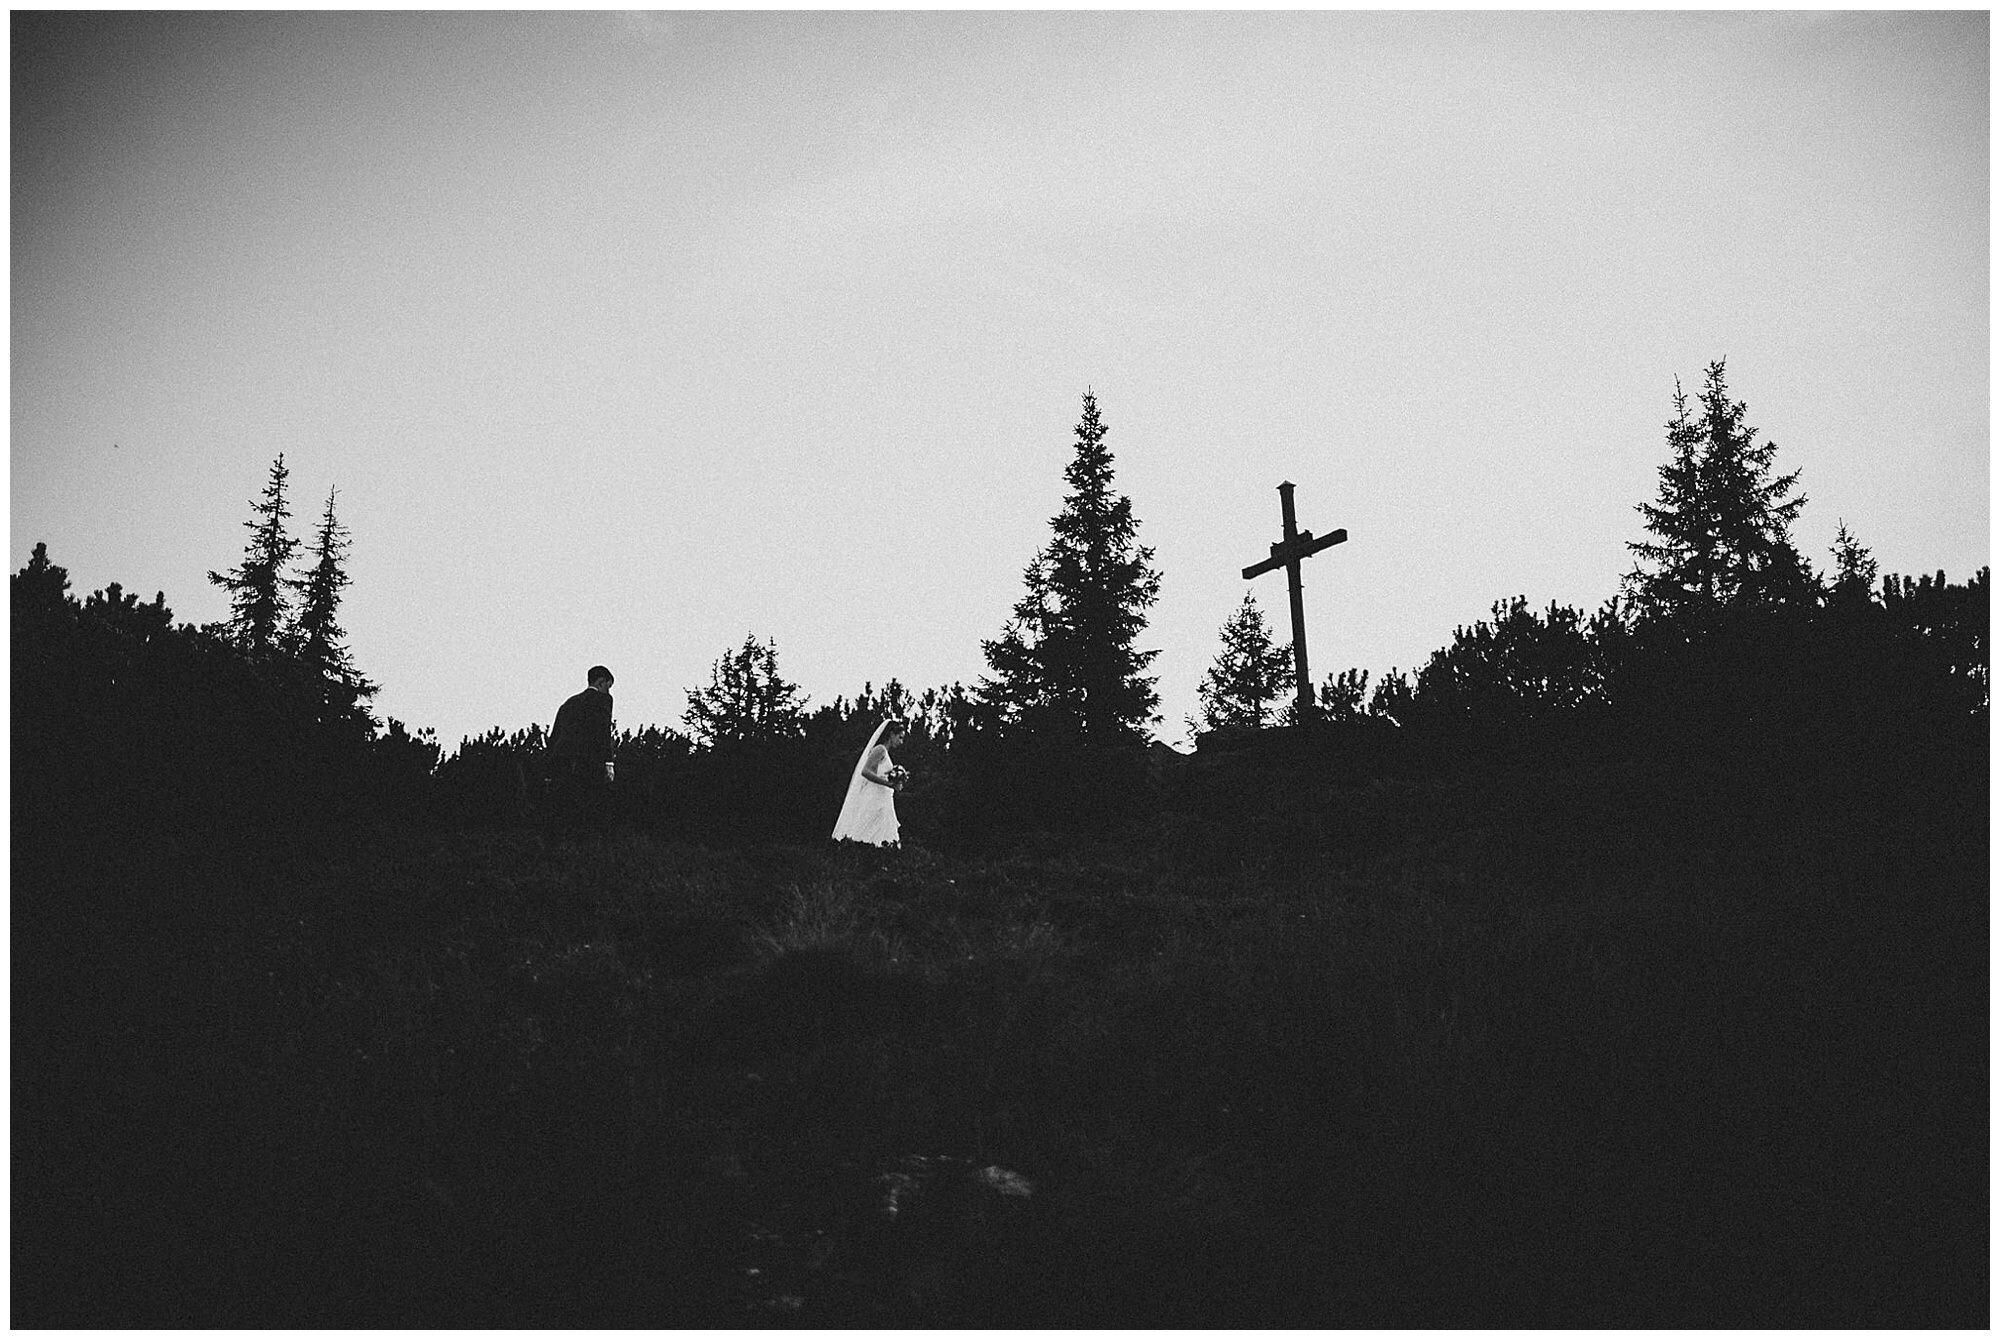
{"x": 1000, "y": 669}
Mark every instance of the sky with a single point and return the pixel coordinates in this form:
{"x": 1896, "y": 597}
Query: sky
{"x": 625, "y": 336}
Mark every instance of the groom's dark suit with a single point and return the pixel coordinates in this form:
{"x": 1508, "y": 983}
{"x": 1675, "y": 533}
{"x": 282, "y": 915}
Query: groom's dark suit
{"x": 582, "y": 733}
{"x": 580, "y": 744}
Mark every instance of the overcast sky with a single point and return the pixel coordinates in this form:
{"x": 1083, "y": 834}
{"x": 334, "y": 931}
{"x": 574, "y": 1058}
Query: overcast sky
{"x": 626, "y": 335}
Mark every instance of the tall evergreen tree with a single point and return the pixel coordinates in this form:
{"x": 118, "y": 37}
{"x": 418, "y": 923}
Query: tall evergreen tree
{"x": 257, "y": 586}
{"x": 1066, "y": 664}
{"x": 316, "y": 635}
{"x": 1247, "y": 676}
{"x": 746, "y": 699}
{"x": 1722, "y": 521}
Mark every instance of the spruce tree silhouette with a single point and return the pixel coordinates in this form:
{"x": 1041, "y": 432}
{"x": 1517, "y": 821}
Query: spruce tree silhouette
{"x": 757, "y": 776}
{"x": 1722, "y": 521}
{"x": 257, "y": 586}
{"x": 1247, "y": 676}
{"x": 1066, "y": 665}
{"x": 746, "y": 700}
{"x": 316, "y": 637}
{"x": 1854, "y": 574}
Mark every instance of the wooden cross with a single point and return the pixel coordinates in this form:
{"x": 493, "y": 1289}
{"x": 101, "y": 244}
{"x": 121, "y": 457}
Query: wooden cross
{"x": 1287, "y": 553}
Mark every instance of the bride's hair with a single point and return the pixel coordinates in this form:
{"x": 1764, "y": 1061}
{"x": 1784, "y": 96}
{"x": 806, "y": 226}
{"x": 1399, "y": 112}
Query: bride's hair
{"x": 895, "y": 726}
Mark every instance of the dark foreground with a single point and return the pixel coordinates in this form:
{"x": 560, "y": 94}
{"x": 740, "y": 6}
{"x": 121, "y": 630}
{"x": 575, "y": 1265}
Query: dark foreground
{"x": 1468, "y": 1069}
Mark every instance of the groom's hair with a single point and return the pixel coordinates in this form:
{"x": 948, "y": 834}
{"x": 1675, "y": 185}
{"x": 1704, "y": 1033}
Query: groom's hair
{"x": 598, "y": 672}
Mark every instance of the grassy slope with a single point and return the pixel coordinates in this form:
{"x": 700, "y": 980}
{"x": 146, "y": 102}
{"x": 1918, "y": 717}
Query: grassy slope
{"x": 1446, "y": 1064}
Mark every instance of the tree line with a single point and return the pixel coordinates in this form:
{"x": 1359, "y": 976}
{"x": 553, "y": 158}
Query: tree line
{"x": 1722, "y": 634}
{"x": 137, "y": 730}
{"x": 1718, "y": 562}
{"x": 1720, "y": 626}
{"x": 1718, "y": 567}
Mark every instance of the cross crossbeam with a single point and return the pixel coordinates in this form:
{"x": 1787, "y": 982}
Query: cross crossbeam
{"x": 1297, "y": 546}
{"x": 1288, "y": 551}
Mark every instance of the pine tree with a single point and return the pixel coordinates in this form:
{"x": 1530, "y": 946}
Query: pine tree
{"x": 1722, "y": 521}
{"x": 746, "y": 699}
{"x": 1854, "y": 571}
{"x": 1342, "y": 697}
{"x": 1065, "y": 664}
{"x": 1517, "y": 665}
{"x": 1946, "y": 628}
{"x": 257, "y": 587}
{"x": 44, "y": 622}
{"x": 1248, "y": 674}
{"x": 1393, "y": 700}
{"x": 316, "y": 636}
{"x": 41, "y": 585}
{"x": 120, "y": 610}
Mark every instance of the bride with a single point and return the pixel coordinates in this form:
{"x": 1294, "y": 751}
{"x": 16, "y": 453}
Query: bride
{"x": 869, "y": 813}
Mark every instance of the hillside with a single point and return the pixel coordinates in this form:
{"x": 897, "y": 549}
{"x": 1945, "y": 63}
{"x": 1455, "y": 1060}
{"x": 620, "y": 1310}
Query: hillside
{"x": 1388, "y": 1042}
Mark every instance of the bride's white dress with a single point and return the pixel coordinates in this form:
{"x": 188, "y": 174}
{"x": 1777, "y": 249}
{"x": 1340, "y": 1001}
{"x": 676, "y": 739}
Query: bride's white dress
{"x": 869, "y": 813}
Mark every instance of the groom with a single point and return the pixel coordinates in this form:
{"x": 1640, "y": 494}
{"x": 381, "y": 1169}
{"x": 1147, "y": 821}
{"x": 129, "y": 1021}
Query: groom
{"x": 580, "y": 752}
